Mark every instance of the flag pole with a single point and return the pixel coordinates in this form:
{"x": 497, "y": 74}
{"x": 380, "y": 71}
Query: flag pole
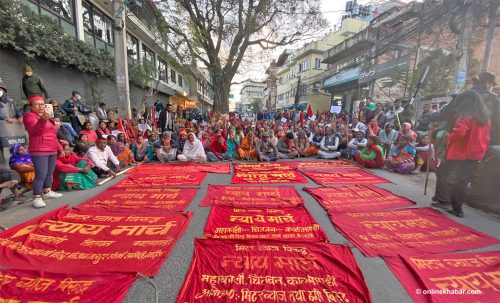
{"x": 431, "y": 156}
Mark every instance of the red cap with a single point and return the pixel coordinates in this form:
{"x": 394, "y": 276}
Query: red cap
{"x": 35, "y": 98}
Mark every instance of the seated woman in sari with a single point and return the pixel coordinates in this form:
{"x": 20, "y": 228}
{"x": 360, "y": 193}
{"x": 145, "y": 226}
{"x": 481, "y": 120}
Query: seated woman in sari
{"x": 315, "y": 142}
{"x": 402, "y": 159}
{"x": 20, "y": 161}
{"x": 166, "y": 148}
{"x": 218, "y": 150}
{"x": 247, "y": 150}
{"x": 142, "y": 151}
{"x": 121, "y": 138}
{"x": 73, "y": 172}
{"x": 302, "y": 143}
{"x": 232, "y": 145}
{"x": 82, "y": 145}
{"x": 205, "y": 140}
{"x": 426, "y": 154}
{"x": 102, "y": 131}
{"x": 88, "y": 130}
{"x": 193, "y": 150}
{"x": 373, "y": 128}
{"x": 406, "y": 131}
{"x": 120, "y": 150}
{"x": 372, "y": 155}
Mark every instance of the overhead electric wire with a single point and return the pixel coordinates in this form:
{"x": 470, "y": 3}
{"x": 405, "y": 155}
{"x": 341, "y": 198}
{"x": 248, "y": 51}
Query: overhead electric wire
{"x": 422, "y": 23}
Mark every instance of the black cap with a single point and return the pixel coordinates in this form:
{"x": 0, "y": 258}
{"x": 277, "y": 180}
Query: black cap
{"x": 75, "y": 92}
{"x": 487, "y": 77}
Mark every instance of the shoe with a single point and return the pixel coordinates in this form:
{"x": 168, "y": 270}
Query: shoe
{"x": 439, "y": 205}
{"x": 458, "y": 213}
{"x": 38, "y": 202}
{"x": 8, "y": 203}
{"x": 52, "y": 195}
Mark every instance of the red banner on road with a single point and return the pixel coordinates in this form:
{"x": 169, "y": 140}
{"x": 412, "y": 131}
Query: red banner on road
{"x": 407, "y": 232}
{"x": 272, "y": 271}
{"x": 164, "y": 180}
{"x": 261, "y": 166}
{"x": 173, "y": 168}
{"x": 268, "y": 177}
{"x": 349, "y": 198}
{"x": 86, "y": 242}
{"x": 29, "y": 286}
{"x": 447, "y": 278}
{"x": 288, "y": 224}
{"x": 320, "y": 165}
{"x": 141, "y": 199}
{"x": 252, "y": 196}
{"x": 344, "y": 176}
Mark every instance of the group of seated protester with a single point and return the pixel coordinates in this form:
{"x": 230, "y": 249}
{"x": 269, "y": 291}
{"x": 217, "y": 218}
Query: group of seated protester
{"x": 371, "y": 146}
{"x": 99, "y": 153}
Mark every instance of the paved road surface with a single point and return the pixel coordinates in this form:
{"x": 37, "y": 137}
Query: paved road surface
{"x": 384, "y": 287}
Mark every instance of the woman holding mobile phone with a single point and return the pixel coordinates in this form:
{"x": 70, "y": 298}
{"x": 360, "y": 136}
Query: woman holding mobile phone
{"x": 43, "y": 147}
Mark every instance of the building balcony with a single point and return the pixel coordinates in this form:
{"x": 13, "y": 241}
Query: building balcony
{"x": 362, "y": 41}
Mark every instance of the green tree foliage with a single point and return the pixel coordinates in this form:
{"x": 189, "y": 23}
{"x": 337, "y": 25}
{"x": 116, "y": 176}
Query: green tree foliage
{"x": 39, "y": 36}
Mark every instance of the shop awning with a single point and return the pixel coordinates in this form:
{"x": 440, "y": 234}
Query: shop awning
{"x": 342, "y": 77}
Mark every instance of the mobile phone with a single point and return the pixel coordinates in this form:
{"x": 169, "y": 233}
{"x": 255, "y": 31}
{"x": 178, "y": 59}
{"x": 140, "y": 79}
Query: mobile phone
{"x": 49, "y": 109}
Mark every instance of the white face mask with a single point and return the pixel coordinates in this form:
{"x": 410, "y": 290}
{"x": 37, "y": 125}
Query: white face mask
{"x": 1, "y": 93}
{"x": 79, "y": 98}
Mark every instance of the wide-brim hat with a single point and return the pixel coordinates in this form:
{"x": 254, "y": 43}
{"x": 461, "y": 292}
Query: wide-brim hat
{"x": 487, "y": 77}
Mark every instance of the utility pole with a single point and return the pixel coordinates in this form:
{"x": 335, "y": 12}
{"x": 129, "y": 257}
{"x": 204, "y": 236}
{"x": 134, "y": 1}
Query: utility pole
{"x": 463, "y": 50}
{"x": 121, "y": 65}
{"x": 492, "y": 21}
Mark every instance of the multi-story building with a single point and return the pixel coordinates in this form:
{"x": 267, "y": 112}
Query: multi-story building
{"x": 270, "y": 94}
{"x": 384, "y": 60}
{"x": 201, "y": 89}
{"x": 91, "y": 21}
{"x": 251, "y": 92}
{"x": 299, "y": 72}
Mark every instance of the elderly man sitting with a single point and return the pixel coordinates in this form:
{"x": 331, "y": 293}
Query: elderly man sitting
{"x": 266, "y": 150}
{"x": 286, "y": 146}
{"x": 101, "y": 155}
{"x": 329, "y": 145}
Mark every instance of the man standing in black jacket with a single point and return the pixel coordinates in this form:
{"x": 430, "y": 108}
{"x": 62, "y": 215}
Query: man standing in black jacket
{"x": 32, "y": 84}
{"x": 167, "y": 120}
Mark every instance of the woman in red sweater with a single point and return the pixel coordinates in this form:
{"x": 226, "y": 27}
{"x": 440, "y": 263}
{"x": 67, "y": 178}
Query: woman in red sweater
{"x": 43, "y": 147}
{"x": 468, "y": 142}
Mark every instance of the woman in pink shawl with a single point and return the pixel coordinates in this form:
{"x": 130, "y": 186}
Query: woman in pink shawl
{"x": 406, "y": 131}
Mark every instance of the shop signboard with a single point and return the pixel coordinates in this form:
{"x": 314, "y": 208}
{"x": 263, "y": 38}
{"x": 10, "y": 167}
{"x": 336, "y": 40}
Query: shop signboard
{"x": 342, "y": 77}
{"x": 384, "y": 69}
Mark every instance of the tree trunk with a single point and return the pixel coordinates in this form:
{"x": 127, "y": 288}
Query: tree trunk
{"x": 222, "y": 86}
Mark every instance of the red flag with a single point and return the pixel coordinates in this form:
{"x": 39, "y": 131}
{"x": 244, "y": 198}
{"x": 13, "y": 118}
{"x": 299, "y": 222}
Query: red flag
{"x": 153, "y": 114}
{"x": 309, "y": 111}
{"x": 121, "y": 128}
{"x": 131, "y": 130}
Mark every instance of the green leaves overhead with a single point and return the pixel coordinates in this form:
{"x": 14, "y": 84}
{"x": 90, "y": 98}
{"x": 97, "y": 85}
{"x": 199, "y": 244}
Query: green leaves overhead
{"x": 39, "y": 36}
